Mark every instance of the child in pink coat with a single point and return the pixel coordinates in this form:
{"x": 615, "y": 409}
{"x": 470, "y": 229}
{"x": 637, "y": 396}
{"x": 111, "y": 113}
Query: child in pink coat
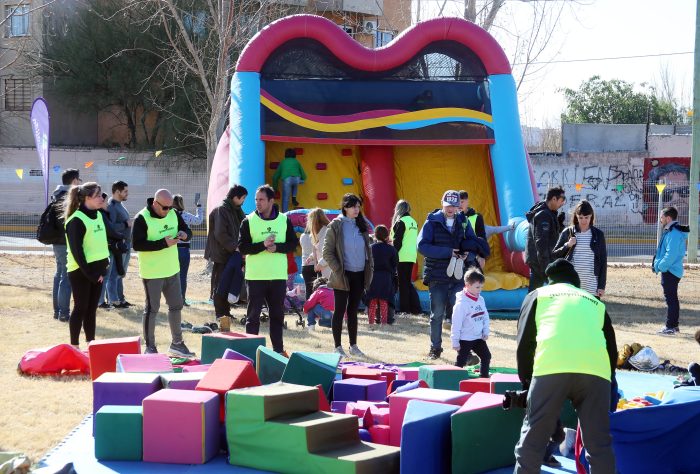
{"x": 320, "y": 304}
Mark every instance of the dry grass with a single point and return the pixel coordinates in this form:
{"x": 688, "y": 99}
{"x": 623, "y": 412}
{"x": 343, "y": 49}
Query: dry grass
{"x": 39, "y": 412}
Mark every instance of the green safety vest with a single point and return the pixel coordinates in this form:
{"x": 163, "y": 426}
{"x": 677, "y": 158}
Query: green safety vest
{"x": 472, "y": 221}
{"x": 570, "y": 332}
{"x": 408, "y": 252}
{"x": 95, "y": 240}
{"x": 266, "y": 265}
{"x": 161, "y": 263}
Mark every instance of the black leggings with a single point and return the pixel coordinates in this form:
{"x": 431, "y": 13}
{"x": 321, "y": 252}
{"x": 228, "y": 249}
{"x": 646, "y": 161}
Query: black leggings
{"x": 348, "y": 301}
{"x": 86, "y": 296}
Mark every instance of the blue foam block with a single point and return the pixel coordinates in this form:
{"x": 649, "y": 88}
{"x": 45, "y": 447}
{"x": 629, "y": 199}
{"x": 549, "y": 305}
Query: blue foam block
{"x": 338, "y": 407}
{"x": 425, "y": 437}
{"x": 396, "y": 384}
{"x": 365, "y": 435}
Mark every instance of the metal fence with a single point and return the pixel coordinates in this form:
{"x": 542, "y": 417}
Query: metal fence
{"x": 626, "y": 210}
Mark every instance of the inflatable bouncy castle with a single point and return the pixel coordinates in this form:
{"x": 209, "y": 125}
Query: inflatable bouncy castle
{"x": 435, "y": 109}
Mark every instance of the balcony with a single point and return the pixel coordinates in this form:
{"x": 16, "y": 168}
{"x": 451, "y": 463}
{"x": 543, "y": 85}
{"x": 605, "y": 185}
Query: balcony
{"x": 365, "y": 7}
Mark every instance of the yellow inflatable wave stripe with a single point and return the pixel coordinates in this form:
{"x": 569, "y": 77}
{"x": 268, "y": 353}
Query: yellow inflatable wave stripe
{"x": 363, "y": 124}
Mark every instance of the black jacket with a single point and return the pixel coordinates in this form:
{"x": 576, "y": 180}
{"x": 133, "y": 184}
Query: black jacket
{"x": 527, "y": 340}
{"x": 139, "y": 234}
{"x": 224, "y": 229}
{"x": 545, "y": 226}
{"x": 600, "y": 252}
{"x": 479, "y": 228}
{"x": 247, "y": 247}
{"x": 75, "y": 233}
{"x": 384, "y": 278}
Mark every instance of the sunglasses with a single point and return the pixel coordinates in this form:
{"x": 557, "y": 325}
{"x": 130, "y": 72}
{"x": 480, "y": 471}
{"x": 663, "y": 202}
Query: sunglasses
{"x": 165, "y": 208}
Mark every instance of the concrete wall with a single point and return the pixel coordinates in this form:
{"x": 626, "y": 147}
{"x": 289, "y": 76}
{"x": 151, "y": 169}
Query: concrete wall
{"x": 670, "y": 146}
{"x": 580, "y": 137}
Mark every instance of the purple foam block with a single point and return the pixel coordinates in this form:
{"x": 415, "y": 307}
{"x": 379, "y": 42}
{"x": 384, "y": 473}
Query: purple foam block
{"x": 196, "y": 368}
{"x": 338, "y": 407}
{"x": 354, "y": 389}
{"x": 365, "y": 435}
{"x": 123, "y": 388}
{"x": 182, "y": 380}
{"x": 233, "y": 355}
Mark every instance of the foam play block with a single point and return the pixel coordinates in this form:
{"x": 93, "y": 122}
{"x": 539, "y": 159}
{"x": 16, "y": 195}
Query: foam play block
{"x": 270, "y": 365}
{"x": 380, "y": 434}
{"x": 365, "y": 436}
{"x": 214, "y": 345}
{"x": 338, "y": 407}
{"x": 502, "y": 382}
{"x": 312, "y": 368}
{"x": 365, "y": 373}
{"x": 492, "y": 445}
{"x": 181, "y": 426}
{"x": 444, "y": 377}
{"x": 475, "y": 385}
{"x": 123, "y": 388}
{"x": 323, "y": 403}
{"x": 181, "y": 381}
{"x": 103, "y": 353}
{"x": 399, "y": 401}
{"x": 144, "y": 363}
{"x": 426, "y": 437}
{"x": 396, "y": 384}
{"x": 196, "y": 368}
{"x": 408, "y": 373}
{"x": 119, "y": 433}
{"x": 230, "y": 354}
{"x": 359, "y": 389}
{"x": 225, "y": 375}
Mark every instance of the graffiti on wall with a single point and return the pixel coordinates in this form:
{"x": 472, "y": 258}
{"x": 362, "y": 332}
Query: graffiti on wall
{"x": 674, "y": 173}
{"x": 612, "y": 189}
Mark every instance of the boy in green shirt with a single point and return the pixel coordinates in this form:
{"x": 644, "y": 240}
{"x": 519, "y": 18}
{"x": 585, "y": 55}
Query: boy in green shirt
{"x": 292, "y": 175}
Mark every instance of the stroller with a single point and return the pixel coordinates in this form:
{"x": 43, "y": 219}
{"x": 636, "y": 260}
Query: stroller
{"x": 293, "y": 304}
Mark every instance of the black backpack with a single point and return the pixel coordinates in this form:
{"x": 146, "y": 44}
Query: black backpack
{"x": 50, "y": 228}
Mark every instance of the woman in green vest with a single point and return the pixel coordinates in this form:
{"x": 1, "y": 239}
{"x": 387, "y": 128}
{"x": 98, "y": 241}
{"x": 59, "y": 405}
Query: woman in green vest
{"x": 404, "y": 234}
{"x": 88, "y": 256}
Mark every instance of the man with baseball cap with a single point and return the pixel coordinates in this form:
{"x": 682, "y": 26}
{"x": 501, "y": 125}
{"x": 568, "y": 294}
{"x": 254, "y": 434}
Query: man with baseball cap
{"x": 445, "y": 240}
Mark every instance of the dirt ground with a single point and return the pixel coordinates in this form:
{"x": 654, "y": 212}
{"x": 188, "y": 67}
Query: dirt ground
{"x": 39, "y": 412}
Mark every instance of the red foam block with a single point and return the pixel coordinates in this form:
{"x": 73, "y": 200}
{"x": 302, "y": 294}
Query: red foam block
{"x": 323, "y": 403}
{"x": 380, "y": 434}
{"x": 225, "y": 375}
{"x": 103, "y": 353}
{"x": 475, "y": 385}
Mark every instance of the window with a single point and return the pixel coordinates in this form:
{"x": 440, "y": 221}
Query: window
{"x": 18, "y": 94}
{"x": 17, "y": 20}
{"x": 382, "y": 38}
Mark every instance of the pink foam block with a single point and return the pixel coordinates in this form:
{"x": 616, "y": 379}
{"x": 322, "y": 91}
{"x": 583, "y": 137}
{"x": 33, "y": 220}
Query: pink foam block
{"x": 180, "y": 426}
{"x": 508, "y": 378}
{"x": 481, "y": 400}
{"x": 475, "y": 385}
{"x": 196, "y": 368}
{"x": 144, "y": 363}
{"x": 379, "y": 411}
{"x": 399, "y": 401}
{"x": 103, "y": 353}
{"x": 380, "y": 434}
{"x": 408, "y": 373}
{"x": 225, "y": 375}
{"x": 372, "y": 374}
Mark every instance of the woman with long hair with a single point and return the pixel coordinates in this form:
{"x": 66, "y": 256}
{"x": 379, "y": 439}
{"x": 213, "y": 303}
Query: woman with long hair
{"x": 404, "y": 234}
{"x": 583, "y": 244}
{"x": 313, "y": 265}
{"x": 347, "y": 251}
{"x": 88, "y": 256}
{"x": 183, "y": 248}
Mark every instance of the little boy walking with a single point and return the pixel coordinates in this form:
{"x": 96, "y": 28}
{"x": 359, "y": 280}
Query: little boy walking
{"x": 470, "y": 322}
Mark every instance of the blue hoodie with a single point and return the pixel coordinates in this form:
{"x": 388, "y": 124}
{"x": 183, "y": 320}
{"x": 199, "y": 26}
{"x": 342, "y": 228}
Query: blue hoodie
{"x": 671, "y": 250}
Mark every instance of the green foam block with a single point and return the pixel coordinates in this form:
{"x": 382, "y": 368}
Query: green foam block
{"x": 444, "y": 377}
{"x": 270, "y": 365}
{"x": 312, "y": 368}
{"x": 119, "y": 433}
{"x": 214, "y": 345}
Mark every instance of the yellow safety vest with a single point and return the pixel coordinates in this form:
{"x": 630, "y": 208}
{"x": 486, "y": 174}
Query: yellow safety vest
{"x": 570, "y": 332}
{"x": 472, "y": 221}
{"x": 409, "y": 251}
{"x": 95, "y": 240}
{"x": 161, "y": 263}
{"x": 266, "y": 265}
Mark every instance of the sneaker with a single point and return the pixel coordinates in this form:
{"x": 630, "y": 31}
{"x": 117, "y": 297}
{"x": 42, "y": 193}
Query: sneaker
{"x": 64, "y": 319}
{"x": 180, "y": 349}
{"x": 459, "y": 270}
{"x": 354, "y": 350}
{"x": 668, "y": 331}
{"x": 185, "y": 303}
{"x": 434, "y": 353}
{"x": 339, "y": 350}
{"x": 126, "y": 304}
{"x": 473, "y": 359}
{"x": 201, "y": 330}
{"x": 55, "y": 316}
{"x": 311, "y": 328}
{"x": 151, "y": 350}
{"x": 451, "y": 266}
{"x": 447, "y": 324}
{"x": 105, "y": 306}
{"x": 119, "y": 306}
{"x": 232, "y": 299}
{"x": 186, "y": 326}
{"x": 294, "y": 201}
{"x": 552, "y": 462}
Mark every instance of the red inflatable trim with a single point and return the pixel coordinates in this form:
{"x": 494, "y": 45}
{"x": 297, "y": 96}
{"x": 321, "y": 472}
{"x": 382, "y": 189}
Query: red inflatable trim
{"x": 398, "y": 52}
{"x": 378, "y": 183}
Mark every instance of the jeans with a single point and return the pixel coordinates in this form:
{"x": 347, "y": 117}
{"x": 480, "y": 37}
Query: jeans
{"x": 669, "y": 283}
{"x": 183, "y": 254}
{"x": 289, "y": 186}
{"x": 61, "y": 283}
{"x": 324, "y": 316}
{"x": 230, "y": 280}
{"x": 114, "y": 282}
{"x": 442, "y": 298}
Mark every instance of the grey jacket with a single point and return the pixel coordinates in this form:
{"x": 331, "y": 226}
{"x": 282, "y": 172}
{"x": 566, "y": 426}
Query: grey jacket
{"x": 333, "y": 255}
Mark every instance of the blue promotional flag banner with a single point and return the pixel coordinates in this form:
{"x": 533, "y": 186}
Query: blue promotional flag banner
{"x": 40, "y": 128}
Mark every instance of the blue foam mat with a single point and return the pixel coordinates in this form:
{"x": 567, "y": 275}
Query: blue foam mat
{"x": 79, "y": 446}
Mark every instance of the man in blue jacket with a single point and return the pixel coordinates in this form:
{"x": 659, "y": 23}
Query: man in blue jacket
{"x": 669, "y": 262}
{"x": 446, "y": 241}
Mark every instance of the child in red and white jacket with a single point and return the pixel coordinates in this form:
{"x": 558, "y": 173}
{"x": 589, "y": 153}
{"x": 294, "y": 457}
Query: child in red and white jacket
{"x": 320, "y": 304}
{"x": 470, "y": 322}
